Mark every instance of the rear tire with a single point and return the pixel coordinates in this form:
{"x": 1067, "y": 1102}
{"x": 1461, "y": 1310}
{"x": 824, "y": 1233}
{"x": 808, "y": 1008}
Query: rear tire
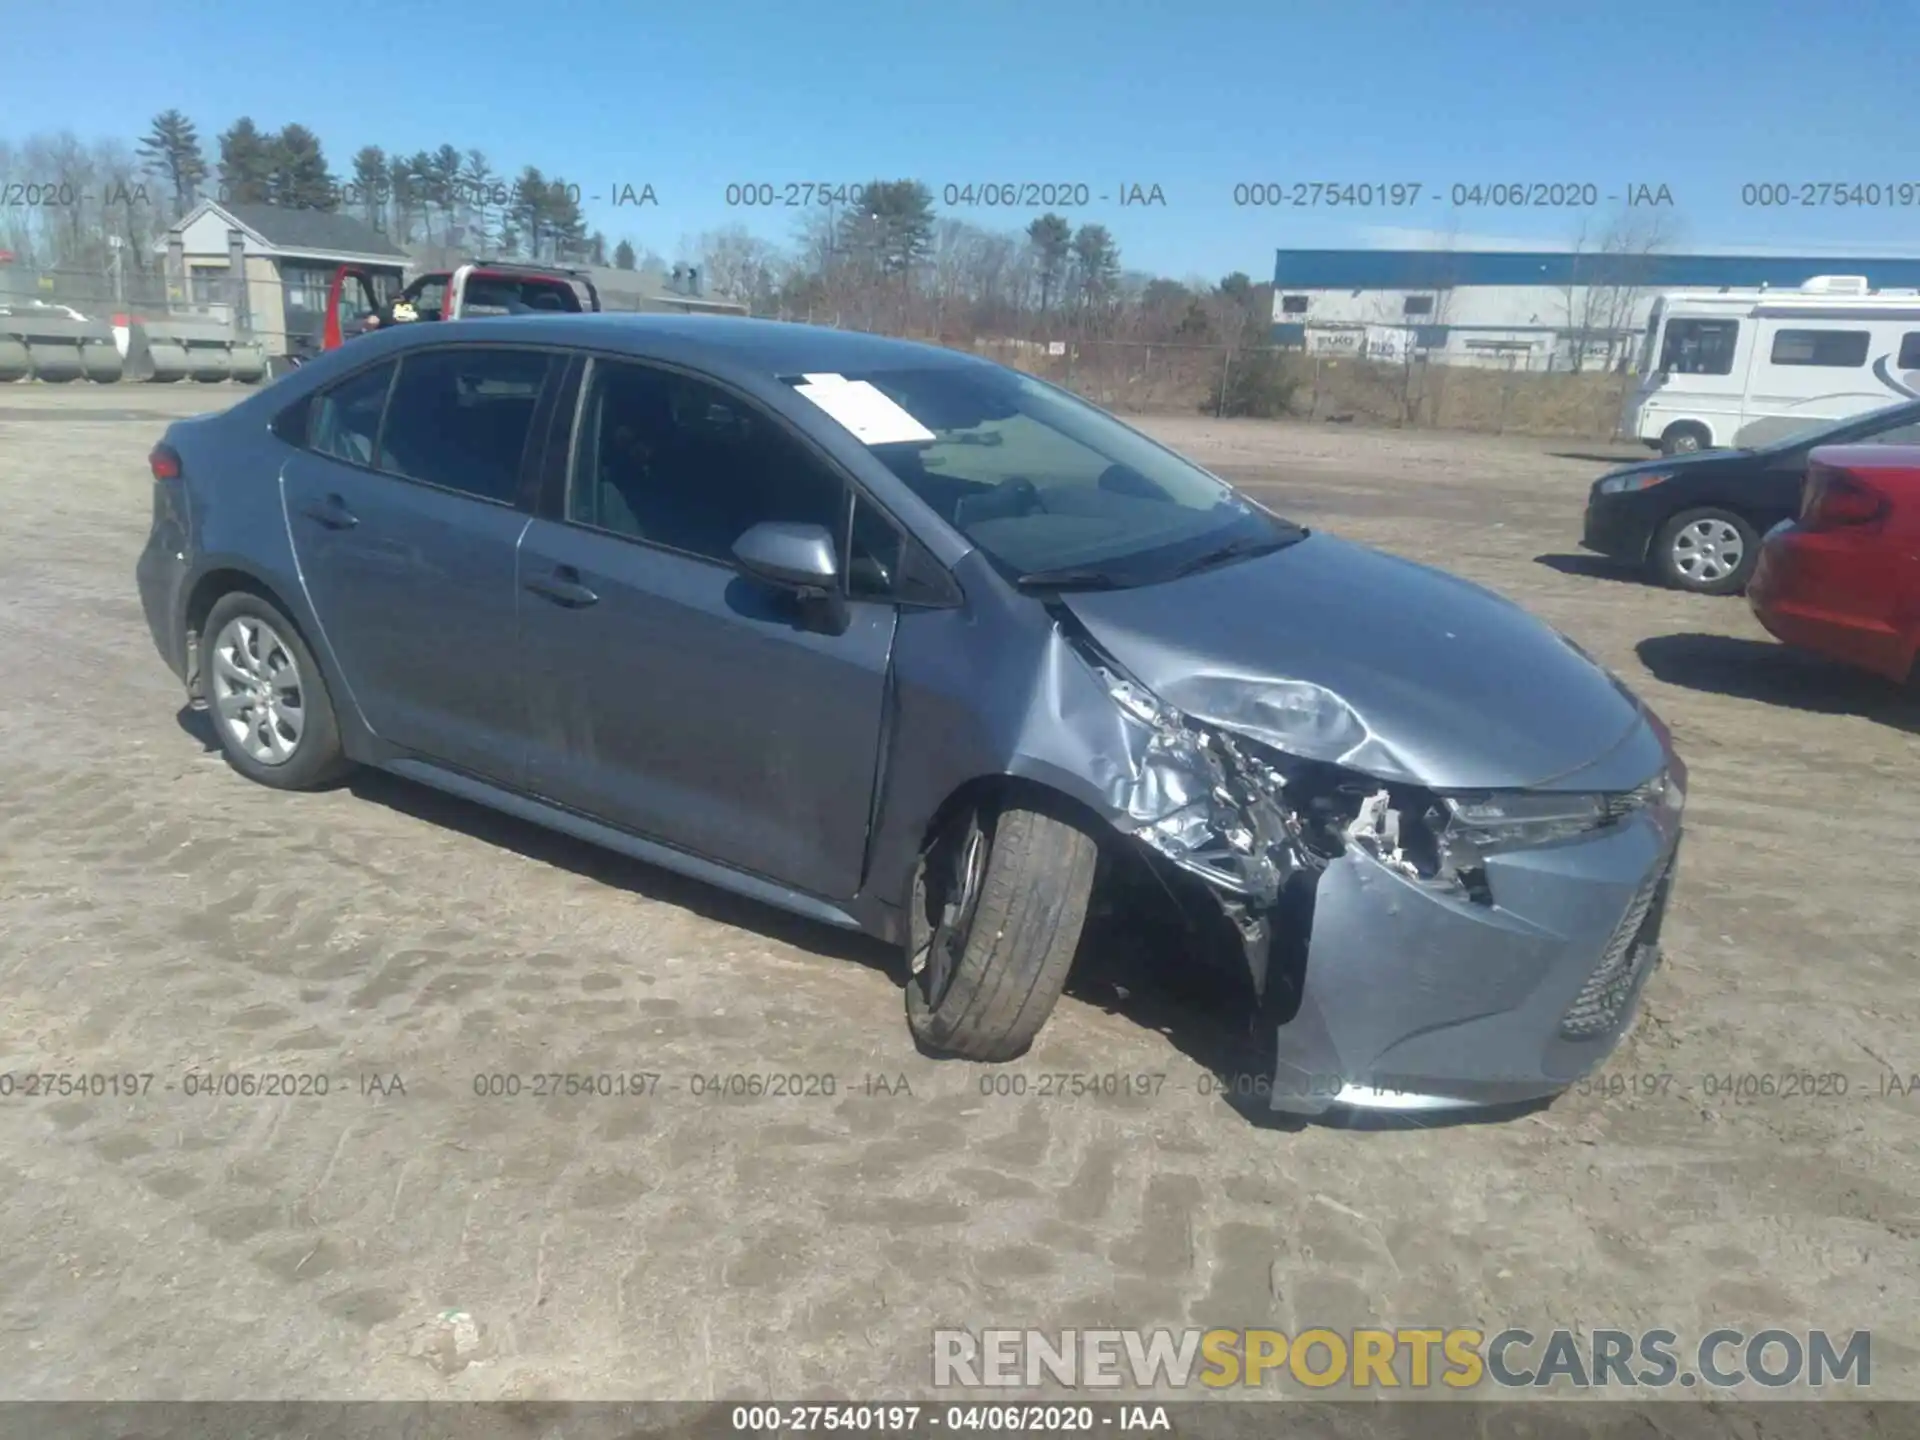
{"x": 1708, "y": 551}
{"x": 266, "y": 697}
{"x": 1685, "y": 438}
{"x": 999, "y": 902}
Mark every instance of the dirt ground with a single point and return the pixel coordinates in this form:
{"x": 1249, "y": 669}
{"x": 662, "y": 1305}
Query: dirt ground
{"x": 159, "y": 915}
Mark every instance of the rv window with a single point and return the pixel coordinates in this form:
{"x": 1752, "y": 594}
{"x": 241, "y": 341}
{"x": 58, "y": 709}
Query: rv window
{"x": 1699, "y": 347}
{"x": 1909, "y": 351}
{"x": 1839, "y": 349}
{"x": 1293, "y": 304}
{"x": 1417, "y": 305}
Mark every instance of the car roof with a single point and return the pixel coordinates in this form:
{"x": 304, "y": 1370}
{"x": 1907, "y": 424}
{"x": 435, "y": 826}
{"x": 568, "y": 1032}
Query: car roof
{"x": 719, "y": 343}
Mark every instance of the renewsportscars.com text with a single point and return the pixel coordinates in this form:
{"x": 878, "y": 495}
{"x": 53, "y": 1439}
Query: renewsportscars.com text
{"x": 1414, "y": 1358}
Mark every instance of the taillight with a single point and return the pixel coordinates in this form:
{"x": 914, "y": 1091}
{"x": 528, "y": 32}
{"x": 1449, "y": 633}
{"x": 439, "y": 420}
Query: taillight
{"x": 1833, "y": 498}
{"x": 164, "y": 461}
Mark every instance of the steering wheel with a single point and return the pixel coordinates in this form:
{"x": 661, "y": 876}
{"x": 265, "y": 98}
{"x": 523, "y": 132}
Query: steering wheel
{"x": 1023, "y": 496}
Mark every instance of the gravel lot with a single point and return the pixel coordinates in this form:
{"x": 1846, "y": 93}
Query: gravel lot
{"x": 158, "y": 914}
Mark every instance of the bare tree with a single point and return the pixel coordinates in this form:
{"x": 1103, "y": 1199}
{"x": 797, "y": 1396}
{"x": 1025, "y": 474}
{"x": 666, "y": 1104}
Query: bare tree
{"x": 1611, "y": 269}
{"x": 737, "y": 266}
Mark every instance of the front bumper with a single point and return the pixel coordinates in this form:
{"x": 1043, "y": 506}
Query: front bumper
{"x": 1418, "y": 999}
{"x": 1614, "y": 527}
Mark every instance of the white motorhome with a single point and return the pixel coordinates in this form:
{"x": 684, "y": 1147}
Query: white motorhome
{"x": 1743, "y": 367}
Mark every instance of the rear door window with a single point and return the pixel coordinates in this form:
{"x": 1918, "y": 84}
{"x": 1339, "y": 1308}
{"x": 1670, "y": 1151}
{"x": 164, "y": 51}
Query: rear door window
{"x": 459, "y": 418}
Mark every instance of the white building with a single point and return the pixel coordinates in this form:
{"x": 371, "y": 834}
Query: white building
{"x": 1516, "y": 309}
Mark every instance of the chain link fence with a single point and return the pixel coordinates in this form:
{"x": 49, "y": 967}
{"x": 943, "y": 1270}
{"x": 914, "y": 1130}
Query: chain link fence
{"x": 126, "y": 290}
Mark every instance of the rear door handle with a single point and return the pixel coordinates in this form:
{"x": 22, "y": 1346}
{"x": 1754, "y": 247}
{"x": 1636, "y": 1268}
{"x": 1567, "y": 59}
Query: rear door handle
{"x": 332, "y": 513}
{"x": 563, "y": 587}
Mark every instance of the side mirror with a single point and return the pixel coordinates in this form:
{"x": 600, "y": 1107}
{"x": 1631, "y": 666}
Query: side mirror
{"x": 788, "y": 554}
{"x": 800, "y": 559}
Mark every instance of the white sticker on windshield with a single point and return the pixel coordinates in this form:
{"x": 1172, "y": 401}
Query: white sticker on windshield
{"x": 871, "y": 416}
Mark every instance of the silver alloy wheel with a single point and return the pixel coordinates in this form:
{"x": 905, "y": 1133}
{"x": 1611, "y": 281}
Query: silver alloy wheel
{"x": 1707, "y": 550}
{"x": 936, "y": 964}
{"x": 256, "y": 690}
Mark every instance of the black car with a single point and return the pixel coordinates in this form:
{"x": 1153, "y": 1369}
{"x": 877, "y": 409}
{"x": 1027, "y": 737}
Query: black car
{"x": 1695, "y": 521}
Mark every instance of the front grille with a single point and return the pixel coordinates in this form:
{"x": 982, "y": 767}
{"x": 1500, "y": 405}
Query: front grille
{"x": 1596, "y": 1009}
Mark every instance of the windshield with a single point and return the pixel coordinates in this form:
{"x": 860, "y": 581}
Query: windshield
{"x": 1054, "y": 490}
{"x": 1854, "y": 426}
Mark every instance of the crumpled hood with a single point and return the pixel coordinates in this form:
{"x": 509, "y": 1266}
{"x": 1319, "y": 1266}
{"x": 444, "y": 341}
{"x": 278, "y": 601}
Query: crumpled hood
{"x": 1336, "y": 652}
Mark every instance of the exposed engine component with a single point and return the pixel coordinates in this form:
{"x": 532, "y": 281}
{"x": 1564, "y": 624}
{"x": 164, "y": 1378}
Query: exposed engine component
{"x": 1246, "y": 817}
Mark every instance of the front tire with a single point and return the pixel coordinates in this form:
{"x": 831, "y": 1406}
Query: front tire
{"x": 1707, "y": 551}
{"x": 266, "y": 697}
{"x": 999, "y": 902}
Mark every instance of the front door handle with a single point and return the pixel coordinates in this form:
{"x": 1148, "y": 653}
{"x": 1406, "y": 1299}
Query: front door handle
{"x": 563, "y": 587}
{"x": 332, "y": 513}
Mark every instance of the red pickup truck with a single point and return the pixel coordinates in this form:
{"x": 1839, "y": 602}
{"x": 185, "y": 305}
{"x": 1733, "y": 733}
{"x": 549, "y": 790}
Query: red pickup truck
{"x": 364, "y": 298}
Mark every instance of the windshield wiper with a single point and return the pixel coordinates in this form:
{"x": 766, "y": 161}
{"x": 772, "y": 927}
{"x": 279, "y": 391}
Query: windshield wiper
{"x": 1236, "y": 550}
{"x": 1068, "y": 577}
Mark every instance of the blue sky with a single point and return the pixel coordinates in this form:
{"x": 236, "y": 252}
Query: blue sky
{"x": 1701, "y": 96}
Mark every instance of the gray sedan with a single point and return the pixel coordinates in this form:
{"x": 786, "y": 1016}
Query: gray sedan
{"x": 917, "y": 645}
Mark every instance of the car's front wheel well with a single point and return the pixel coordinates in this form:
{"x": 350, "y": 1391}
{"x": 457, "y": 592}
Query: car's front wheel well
{"x": 1131, "y": 881}
{"x": 998, "y": 792}
{"x": 991, "y": 794}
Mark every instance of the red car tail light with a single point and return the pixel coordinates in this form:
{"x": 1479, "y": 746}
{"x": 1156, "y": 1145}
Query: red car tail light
{"x": 164, "y": 461}
{"x": 1833, "y": 498}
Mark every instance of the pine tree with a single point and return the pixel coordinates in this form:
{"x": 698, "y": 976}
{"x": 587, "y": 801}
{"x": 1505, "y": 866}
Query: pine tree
{"x": 246, "y": 164}
{"x": 171, "y": 149}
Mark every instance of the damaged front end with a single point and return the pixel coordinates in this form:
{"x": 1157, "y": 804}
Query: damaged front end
{"x": 1246, "y": 818}
{"x": 1410, "y": 989}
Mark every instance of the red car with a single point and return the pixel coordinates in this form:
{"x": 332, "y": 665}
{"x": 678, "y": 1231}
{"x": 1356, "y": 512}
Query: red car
{"x": 1844, "y": 579}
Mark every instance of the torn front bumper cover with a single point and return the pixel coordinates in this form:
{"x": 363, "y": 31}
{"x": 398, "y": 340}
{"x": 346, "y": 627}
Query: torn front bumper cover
{"x": 1426, "y": 985}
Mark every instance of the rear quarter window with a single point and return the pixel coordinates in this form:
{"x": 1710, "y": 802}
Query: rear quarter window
{"x": 343, "y": 421}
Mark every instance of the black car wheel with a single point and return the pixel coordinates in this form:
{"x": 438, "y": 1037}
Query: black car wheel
{"x": 1707, "y": 551}
{"x": 266, "y": 698}
{"x": 1684, "y": 438}
{"x": 998, "y": 906}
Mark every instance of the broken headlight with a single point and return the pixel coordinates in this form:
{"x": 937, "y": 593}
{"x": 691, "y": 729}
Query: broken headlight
{"x": 1487, "y": 822}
